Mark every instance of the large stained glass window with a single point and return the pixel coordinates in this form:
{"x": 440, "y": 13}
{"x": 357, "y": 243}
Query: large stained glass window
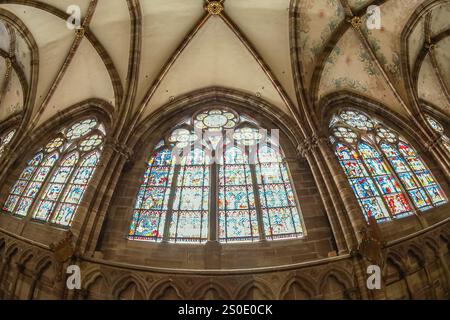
{"x": 220, "y": 170}
{"x": 53, "y": 183}
{"x": 5, "y": 140}
{"x": 387, "y": 175}
{"x": 439, "y": 129}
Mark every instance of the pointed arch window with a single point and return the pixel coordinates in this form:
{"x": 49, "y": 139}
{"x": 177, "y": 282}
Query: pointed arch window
{"x": 54, "y": 181}
{"x": 387, "y": 175}
{"x": 439, "y": 129}
{"x": 230, "y": 183}
{"x": 5, "y": 140}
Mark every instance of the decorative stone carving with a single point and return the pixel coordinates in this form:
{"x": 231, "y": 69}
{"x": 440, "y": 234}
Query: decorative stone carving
{"x": 214, "y": 7}
{"x": 371, "y": 244}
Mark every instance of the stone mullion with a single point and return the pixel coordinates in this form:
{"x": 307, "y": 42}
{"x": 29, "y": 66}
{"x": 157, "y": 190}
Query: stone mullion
{"x": 346, "y": 227}
{"x": 347, "y": 195}
{"x": 213, "y": 234}
{"x": 257, "y": 197}
{"x": 331, "y": 207}
{"x": 169, "y": 214}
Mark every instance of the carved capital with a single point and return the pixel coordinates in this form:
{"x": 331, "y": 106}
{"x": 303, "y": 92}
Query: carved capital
{"x": 122, "y": 149}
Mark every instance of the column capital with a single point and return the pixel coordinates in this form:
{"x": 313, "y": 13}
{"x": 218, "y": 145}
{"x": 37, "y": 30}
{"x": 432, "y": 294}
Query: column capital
{"x": 121, "y": 148}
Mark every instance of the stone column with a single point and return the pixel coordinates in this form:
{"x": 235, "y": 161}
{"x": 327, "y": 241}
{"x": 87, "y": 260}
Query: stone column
{"x": 351, "y": 205}
{"x": 343, "y": 243}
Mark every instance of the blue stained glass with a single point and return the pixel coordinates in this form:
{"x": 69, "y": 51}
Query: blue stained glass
{"x": 42, "y": 174}
{"x": 62, "y": 174}
{"x": 436, "y": 194}
{"x": 408, "y": 180}
{"x": 399, "y": 165}
{"x": 36, "y": 160}
{"x": 19, "y": 187}
{"x": 24, "y": 206}
{"x": 236, "y": 198}
{"x": 376, "y": 166}
{"x": 419, "y": 198}
{"x": 65, "y": 215}
{"x": 278, "y": 222}
{"x": 83, "y": 175}
{"x": 345, "y": 153}
{"x": 33, "y": 189}
{"x": 154, "y": 199}
{"x": 425, "y": 178}
{"x": 147, "y": 224}
{"x": 374, "y": 207}
{"x": 274, "y": 196}
{"x": 10, "y": 203}
{"x": 387, "y": 184}
{"x": 354, "y": 169}
{"x": 364, "y": 187}
{"x": 389, "y": 151}
{"x": 162, "y": 158}
{"x": 194, "y": 176}
{"x": 235, "y": 175}
{"x": 27, "y": 173}
{"x": 367, "y": 151}
{"x": 54, "y": 191}
{"x": 74, "y": 194}
{"x": 44, "y": 210}
{"x": 159, "y": 176}
{"x": 50, "y": 161}
{"x": 239, "y": 225}
{"x": 415, "y": 164}
{"x": 270, "y": 173}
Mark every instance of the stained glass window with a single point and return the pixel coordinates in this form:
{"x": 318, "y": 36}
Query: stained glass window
{"x": 5, "y": 140}
{"x": 53, "y": 183}
{"x": 236, "y": 179}
{"x": 439, "y": 128}
{"x": 386, "y": 174}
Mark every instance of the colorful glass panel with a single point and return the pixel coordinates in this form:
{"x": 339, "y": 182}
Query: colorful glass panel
{"x": 280, "y": 215}
{"x": 237, "y": 209}
{"x": 74, "y": 190}
{"x": 191, "y": 202}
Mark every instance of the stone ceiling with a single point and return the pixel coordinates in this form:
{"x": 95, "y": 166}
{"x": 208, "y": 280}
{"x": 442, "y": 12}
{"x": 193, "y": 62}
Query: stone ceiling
{"x": 140, "y": 55}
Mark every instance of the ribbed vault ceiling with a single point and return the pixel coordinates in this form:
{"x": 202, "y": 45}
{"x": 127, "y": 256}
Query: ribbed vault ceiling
{"x": 140, "y": 55}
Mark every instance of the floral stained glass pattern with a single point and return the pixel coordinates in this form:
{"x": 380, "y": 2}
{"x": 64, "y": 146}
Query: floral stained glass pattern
{"x": 53, "y": 183}
{"x": 381, "y": 191}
